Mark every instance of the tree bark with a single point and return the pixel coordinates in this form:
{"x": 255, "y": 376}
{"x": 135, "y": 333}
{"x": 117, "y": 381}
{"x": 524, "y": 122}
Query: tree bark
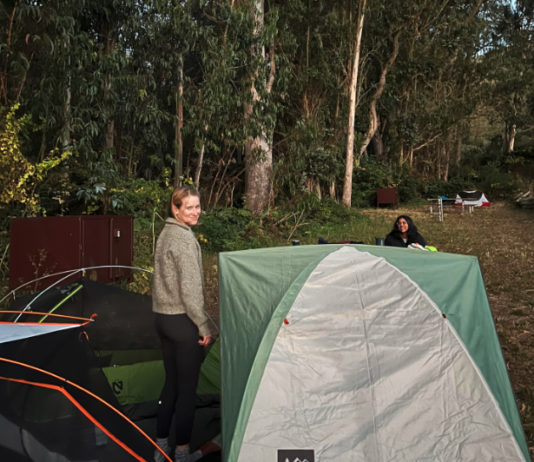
{"x": 378, "y": 145}
{"x": 258, "y": 149}
{"x": 332, "y": 190}
{"x": 200, "y": 162}
{"x": 178, "y": 127}
{"x": 445, "y": 155}
{"x": 67, "y": 113}
{"x": 349, "y": 159}
{"x": 510, "y": 137}
{"x": 373, "y": 116}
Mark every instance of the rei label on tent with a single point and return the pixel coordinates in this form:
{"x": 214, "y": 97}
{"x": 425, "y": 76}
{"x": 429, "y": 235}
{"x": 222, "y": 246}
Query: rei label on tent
{"x": 296, "y": 455}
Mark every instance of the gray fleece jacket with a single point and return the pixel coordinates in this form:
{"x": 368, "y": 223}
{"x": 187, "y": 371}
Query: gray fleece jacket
{"x": 178, "y": 283}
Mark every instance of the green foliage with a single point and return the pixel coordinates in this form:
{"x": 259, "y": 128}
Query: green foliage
{"x": 321, "y": 211}
{"x": 370, "y": 176}
{"x": 226, "y": 229}
{"x": 495, "y": 182}
{"x": 309, "y": 156}
{"x": 437, "y": 188}
{"x": 103, "y": 79}
{"x": 409, "y": 189}
{"x": 22, "y": 177}
{"x": 142, "y": 198}
{"x": 306, "y": 218}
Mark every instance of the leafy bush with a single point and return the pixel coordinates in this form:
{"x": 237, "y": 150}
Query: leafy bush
{"x": 142, "y": 198}
{"x": 226, "y": 229}
{"x": 495, "y": 182}
{"x": 21, "y": 177}
{"x": 436, "y": 187}
{"x": 308, "y": 218}
{"x": 409, "y": 188}
{"x": 326, "y": 210}
{"x": 370, "y": 176}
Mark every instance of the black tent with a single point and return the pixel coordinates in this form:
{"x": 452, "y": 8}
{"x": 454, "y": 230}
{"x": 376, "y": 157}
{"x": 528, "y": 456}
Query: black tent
{"x": 75, "y": 390}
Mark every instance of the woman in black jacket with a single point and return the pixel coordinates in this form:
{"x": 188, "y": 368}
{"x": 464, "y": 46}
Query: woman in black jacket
{"x": 404, "y": 233}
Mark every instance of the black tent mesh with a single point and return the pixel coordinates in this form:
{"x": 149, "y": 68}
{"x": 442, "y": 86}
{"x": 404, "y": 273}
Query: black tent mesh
{"x": 124, "y": 318}
{"x": 470, "y": 195}
{"x": 42, "y": 422}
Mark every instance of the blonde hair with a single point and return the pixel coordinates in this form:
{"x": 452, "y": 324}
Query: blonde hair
{"x": 178, "y": 195}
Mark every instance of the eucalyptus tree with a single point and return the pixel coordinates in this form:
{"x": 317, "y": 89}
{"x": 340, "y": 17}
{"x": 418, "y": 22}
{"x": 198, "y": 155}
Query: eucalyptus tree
{"x": 259, "y": 115}
{"x": 219, "y": 90}
{"x": 511, "y": 68}
{"x": 350, "y": 161}
{"x": 314, "y": 81}
{"x": 35, "y": 52}
{"x": 15, "y": 53}
{"x": 189, "y": 60}
{"x": 434, "y": 84}
{"x": 159, "y": 38}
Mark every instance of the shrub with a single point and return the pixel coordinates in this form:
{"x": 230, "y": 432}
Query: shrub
{"x": 409, "y": 188}
{"x": 437, "y": 187}
{"x": 497, "y": 184}
{"x": 370, "y": 176}
{"x": 142, "y": 198}
{"x": 226, "y": 229}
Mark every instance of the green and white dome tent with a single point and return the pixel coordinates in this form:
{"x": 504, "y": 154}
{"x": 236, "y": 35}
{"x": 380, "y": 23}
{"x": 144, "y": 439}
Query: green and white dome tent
{"x": 361, "y": 353}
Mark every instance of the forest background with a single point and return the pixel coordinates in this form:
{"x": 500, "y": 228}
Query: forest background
{"x": 286, "y": 114}
{"x": 106, "y": 104}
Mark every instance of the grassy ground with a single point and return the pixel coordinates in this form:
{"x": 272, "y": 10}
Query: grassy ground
{"x": 501, "y": 237}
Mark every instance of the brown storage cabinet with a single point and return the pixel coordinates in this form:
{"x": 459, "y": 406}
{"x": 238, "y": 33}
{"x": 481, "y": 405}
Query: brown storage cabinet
{"x": 387, "y": 196}
{"x": 42, "y": 246}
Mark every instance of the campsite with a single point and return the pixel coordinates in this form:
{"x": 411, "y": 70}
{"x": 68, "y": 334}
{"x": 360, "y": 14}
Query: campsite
{"x": 286, "y": 143}
{"x": 505, "y": 252}
{"x": 506, "y": 271}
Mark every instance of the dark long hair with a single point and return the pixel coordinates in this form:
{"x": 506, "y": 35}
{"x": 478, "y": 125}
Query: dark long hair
{"x": 412, "y": 229}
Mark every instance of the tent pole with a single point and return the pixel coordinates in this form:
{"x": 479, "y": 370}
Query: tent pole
{"x": 74, "y": 292}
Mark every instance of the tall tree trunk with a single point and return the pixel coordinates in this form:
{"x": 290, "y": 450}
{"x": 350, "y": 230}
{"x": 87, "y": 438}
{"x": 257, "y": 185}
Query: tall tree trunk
{"x": 200, "y": 162}
{"x": 373, "y": 116}
{"x": 67, "y": 113}
{"x": 258, "y": 149}
{"x": 349, "y": 159}
{"x": 445, "y": 159}
{"x": 258, "y": 162}
{"x": 510, "y": 137}
{"x": 178, "y": 128}
{"x": 65, "y": 136}
{"x": 332, "y": 189}
{"x": 378, "y": 145}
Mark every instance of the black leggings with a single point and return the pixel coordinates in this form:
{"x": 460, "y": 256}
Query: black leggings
{"x": 182, "y": 358}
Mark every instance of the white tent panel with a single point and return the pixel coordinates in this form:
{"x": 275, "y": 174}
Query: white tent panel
{"x": 367, "y": 369}
{"x": 10, "y": 332}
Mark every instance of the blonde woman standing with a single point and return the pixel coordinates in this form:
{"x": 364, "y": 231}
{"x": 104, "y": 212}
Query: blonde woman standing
{"x": 181, "y": 322}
